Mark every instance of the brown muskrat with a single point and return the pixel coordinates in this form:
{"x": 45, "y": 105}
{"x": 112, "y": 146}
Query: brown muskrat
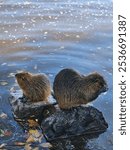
{"x": 35, "y": 87}
{"x": 72, "y": 89}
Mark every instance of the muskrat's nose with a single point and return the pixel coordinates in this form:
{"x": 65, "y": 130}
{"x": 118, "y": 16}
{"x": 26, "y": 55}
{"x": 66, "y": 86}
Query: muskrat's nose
{"x": 105, "y": 88}
{"x": 16, "y": 75}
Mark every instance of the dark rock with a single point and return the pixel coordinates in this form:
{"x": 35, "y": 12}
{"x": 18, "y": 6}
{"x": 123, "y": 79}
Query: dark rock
{"x": 76, "y": 121}
{"x": 24, "y": 109}
{"x": 60, "y": 126}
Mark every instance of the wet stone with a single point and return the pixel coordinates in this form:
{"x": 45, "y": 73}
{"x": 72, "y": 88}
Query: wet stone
{"x": 60, "y": 125}
{"x": 24, "y": 109}
{"x": 74, "y": 122}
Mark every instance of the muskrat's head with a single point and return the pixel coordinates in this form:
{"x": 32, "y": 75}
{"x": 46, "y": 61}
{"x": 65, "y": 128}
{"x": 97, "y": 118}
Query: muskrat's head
{"x": 23, "y": 79}
{"x": 97, "y": 82}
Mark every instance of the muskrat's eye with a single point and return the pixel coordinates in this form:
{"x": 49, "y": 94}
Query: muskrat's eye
{"x": 97, "y": 80}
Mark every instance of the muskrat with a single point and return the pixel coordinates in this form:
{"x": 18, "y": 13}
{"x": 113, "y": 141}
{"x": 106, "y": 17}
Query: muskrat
{"x": 35, "y": 87}
{"x": 72, "y": 89}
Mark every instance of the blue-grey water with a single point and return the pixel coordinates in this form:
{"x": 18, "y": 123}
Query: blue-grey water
{"x": 45, "y": 36}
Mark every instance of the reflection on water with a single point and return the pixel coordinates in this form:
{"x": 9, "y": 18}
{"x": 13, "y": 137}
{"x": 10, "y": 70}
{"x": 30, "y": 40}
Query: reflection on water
{"x": 46, "y": 36}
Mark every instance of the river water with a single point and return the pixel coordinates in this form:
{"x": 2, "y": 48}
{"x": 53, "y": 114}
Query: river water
{"x": 45, "y": 36}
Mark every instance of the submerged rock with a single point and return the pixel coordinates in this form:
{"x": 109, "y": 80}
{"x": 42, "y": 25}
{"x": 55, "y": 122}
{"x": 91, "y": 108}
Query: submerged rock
{"x": 76, "y": 121}
{"x": 6, "y": 130}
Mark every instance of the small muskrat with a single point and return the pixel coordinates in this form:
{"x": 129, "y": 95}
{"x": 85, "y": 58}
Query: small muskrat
{"x": 72, "y": 89}
{"x": 35, "y": 87}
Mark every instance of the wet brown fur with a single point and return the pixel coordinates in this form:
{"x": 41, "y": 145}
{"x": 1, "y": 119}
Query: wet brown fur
{"x": 35, "y": 87}
{"x": 72, "y": 89}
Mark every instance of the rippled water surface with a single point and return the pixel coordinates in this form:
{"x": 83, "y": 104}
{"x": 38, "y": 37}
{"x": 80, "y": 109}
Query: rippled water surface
{"x": 45, "y": 36}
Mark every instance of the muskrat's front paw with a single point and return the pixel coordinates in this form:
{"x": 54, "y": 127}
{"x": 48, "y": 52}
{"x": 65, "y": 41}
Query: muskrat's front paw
{"x": 23, "y": 99}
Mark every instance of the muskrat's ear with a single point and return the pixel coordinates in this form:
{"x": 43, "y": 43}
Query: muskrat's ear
{"x": 22, "y": 77}
{"x": 99, "y": 83}
{"x": 28, "y": 73}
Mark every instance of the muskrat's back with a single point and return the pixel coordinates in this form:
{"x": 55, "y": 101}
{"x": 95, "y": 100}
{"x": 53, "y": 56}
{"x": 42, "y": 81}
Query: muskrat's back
{"x": 72, "y": 89}
{"x": 35, "y": 87}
